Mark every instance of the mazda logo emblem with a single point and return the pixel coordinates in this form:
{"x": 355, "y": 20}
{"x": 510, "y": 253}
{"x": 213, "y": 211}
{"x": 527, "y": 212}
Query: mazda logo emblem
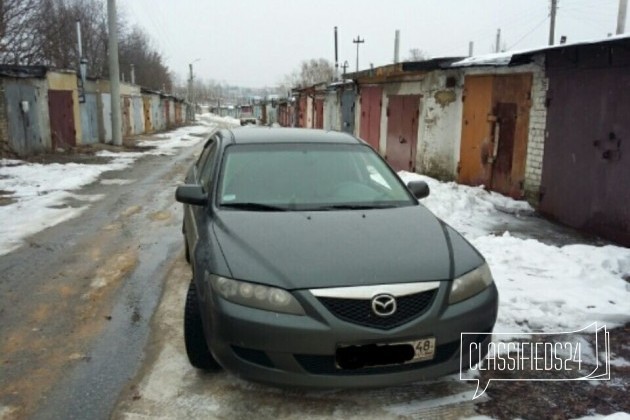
{"x": 384, "y": 305}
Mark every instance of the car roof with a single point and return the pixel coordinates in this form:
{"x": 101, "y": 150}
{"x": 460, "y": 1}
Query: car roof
{"x": 255, "y": 135}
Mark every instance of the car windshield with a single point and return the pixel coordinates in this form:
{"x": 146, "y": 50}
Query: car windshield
{"x": 307, "y": 176}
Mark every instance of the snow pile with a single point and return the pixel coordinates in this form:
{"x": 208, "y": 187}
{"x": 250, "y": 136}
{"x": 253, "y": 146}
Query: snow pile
{"x": 471, "y": 210}
{"x": 222, "y": 122}
{"x": 42, "y": 191}
{"x": 541, "y": 287}
{"x": 493, "y": 59}
{"x": 167, "y": 145}
{"x": 183, "y": 137}
{"x": 545, "y": 288}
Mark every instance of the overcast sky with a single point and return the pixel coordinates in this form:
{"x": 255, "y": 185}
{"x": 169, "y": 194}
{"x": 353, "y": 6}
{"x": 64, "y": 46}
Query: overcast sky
{"x": 256, "y": 42}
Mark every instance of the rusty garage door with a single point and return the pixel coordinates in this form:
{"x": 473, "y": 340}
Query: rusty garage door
{"x": 371, "y": 102}
{"x": 318, "y": 111}
{"x": 586, "y": 161}
{"x": 302, "y": 105}
{"x": 61, "y": 111}
{"x": 127, "y": 119}
{"x": 148, "y": 124}
{"x": 402, "y": 131}
{"x": 495, "y": 128}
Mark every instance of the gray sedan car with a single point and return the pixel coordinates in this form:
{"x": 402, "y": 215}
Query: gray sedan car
{"x": 314, "y": 265}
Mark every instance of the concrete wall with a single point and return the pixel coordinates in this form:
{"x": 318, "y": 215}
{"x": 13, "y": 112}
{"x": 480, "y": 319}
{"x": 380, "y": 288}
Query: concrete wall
{"x": 67, "y": 80}
{"x": 439, "y": 125}
{"x": 105, "y": 130}
{"x": 308, "y": 117}
{"x": 171, "y": 112}
{"x": 332, "y": 111}
{"x": 129, "y": 89}
{"x": 272, "y": 113}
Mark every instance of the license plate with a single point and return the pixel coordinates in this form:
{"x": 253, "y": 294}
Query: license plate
{"x": 368, "y": 355}
{"x": 424, "y": 349}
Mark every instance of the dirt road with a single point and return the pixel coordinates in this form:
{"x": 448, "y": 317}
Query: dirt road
{"x": 76, "y": 302}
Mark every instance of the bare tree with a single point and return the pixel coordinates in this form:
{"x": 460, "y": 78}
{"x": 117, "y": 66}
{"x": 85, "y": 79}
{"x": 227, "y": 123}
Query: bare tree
{"x": 311, "y": 72}
{"x": 416, "y": 54}
{"x": 43, "y": 32}
{"x": 19, "y": 40}
{"x": 316, "y": 71}
{"x": 136, "y": 48}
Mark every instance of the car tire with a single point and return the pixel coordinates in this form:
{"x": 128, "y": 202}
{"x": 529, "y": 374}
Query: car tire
{"x": 194, "y": 338}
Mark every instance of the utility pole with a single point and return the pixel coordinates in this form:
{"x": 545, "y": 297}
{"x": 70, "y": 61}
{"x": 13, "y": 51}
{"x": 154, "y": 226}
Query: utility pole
{"x": 114, "y": 73}
{"x": 358, "y": 41}
{"x": 344, "y": 67}
{"x": 336, "y": 57}
{"x": 621, "y": 16}
{"x": 397, "y": 46}
{"x": 552, "y": 23}
{"x": 497, "y": 47}
{"x": 190, "y": 90}
{"x": 82, "y": 65}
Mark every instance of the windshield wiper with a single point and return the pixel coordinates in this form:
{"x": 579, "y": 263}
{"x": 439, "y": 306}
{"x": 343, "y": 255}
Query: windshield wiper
{"x": 254, "y": 206}
{"x": 353, "y": 207}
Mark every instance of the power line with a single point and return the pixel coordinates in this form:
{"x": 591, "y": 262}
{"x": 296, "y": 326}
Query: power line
{"x": 538, "y": 25}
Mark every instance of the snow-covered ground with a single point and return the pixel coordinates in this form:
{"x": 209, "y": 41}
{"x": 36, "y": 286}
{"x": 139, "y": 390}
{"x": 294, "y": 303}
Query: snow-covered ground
{"x": 541, "y": 287}
{"x": 42, "y": 191}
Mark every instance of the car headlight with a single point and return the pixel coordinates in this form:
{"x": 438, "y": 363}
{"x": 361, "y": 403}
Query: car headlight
{"x": 256, "y": 295}
{"x": 470, "y": 284}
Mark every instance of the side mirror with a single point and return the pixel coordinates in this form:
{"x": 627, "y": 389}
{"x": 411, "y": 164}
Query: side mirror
{"x": 419, "y": 189}
{"x": 191, "y": 194}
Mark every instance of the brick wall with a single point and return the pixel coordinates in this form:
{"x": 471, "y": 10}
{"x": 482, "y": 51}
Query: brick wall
{"x": 537, "y": 132}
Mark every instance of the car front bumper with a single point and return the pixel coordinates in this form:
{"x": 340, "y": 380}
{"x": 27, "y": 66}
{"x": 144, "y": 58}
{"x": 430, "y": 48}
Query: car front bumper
{"x": 292, "y": 350}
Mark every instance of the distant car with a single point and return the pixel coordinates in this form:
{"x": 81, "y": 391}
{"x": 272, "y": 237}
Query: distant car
{"x": 249, "y": 121}
{"x": 314, "y": 265}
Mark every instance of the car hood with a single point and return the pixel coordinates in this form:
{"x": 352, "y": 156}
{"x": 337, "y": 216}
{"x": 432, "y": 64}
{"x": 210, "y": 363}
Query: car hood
{"x": 298, "y": 250}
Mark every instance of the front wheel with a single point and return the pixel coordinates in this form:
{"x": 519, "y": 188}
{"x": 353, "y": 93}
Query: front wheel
{"x": 194, "y": 338}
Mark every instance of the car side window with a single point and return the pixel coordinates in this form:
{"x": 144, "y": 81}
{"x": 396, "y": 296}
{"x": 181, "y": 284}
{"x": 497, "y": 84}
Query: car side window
{"x": 207, "y": 168}
{"x": 204, "y": 154}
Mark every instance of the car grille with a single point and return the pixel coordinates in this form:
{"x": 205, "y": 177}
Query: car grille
{"x": 359, "y": 311}
{"x": 325, "y": 365}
